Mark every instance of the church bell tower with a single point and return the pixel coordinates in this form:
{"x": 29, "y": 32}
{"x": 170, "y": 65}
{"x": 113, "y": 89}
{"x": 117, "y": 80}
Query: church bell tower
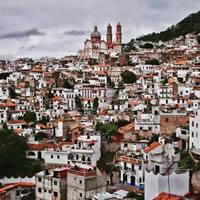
{"x": 119, "y": 34}
{"x": 109, "y": 34}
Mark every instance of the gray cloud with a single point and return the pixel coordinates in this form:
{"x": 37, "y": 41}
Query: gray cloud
{"x": 75, "y": 33}
{"x": 6, "y": 57}
{"x": 137, "y": 17}
{"x": 21, "y": 34}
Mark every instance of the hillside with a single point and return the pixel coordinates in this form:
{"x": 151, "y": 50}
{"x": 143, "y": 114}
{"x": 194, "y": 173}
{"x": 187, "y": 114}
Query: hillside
{"x": 190, "y": 24}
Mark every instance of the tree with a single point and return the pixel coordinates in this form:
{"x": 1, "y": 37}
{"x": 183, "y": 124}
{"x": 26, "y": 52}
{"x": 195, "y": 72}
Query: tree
{"x": 4, "y": 75}
{"x": 107, "y": 128}
{"x": 96, "y": 104}
{"x": 56, "y": 75}
{"x": 78, "y": 103}
{"x": 44, "y": 120}
{"x": 12, "y": 93}
{"x": 152, "y": 62}
{"x": 134, "y": 195}
{"x": 67, "y": 84}
{"x": 128, "y": 77}
{"x": 5, "y": 127}
{"x": 12, "y": 151}
{"x": 50, "y": 95}
{"x": 30, "y": 116}
{"x": 198, "y": 39}
{"x": 147, "y": 46}
{"x": 40, "y": 136}
{"x": 110, "y": 83}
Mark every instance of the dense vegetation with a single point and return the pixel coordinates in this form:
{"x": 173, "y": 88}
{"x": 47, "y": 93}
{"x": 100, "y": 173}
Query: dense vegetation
{"x": 106, "y": 161}
{"x": 67, "y": 84}
{"x": 134, "y": 195}
{"x": 12, "y": 153}
{"x": 152, "y": 62}
{"x": 190, "y": 24}
{"x": 30, "y": 117}
{"x": 4, "y": 75}
{"x": 107, "y": 128}
{"x": 78, "y": 103}
{"x": 128, "y": 77}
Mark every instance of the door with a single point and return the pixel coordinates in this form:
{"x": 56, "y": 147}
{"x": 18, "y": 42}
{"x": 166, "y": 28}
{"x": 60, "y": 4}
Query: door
{"x": 132, "y": 180}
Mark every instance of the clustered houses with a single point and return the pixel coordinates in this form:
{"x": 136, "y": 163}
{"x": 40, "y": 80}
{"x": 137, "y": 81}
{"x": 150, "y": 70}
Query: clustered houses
{"x": 84, "y": 152}
{"x": 59, "y": 103}
{"x": 69, "y": 183}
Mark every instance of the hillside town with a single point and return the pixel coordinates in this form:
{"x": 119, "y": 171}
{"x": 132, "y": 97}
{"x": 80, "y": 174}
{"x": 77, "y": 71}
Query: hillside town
{"x": 114, "y": 121}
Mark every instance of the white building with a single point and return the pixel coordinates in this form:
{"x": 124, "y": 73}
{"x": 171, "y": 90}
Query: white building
{"x": 162, "y": 170}
{"x": 69, "y": 183}
{"x": 194, "y": 144}
{"x": 87, "y": 151}
{"x": 132, "y": 171}
{"x": 95, "y": 46}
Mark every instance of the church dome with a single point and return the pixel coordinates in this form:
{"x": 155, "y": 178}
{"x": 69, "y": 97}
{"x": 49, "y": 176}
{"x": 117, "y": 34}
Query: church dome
{"x": 95, "y": 33}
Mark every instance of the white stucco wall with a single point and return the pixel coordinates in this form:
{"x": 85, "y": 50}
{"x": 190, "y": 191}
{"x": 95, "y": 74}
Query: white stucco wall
{"x": 179, "y": 184}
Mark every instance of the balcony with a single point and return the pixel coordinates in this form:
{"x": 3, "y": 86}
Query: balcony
{"x": 86, "y": 151}
{"x": 129, "y": 171}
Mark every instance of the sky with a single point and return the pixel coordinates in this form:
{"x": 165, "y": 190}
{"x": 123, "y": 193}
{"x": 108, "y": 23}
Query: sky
{"x": 56, "y": 28}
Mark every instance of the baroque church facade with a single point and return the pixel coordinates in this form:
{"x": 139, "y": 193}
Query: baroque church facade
{"x": 94, "y": 46}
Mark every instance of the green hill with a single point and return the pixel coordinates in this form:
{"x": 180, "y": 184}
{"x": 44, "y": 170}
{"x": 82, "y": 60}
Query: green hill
{"x": 190, "y": 24}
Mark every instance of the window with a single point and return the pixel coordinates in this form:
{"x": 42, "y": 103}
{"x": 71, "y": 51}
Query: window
{"x": 80, "y": 182}
{"x": 125, "y": 145}
{"x": 197, "y": 125}
{"x": 81, "y": 195}
{"x": 140, "y": 180}
{"x": 166, "y": 119}
{"x": 39, "y": 179}
{"x": 45, "y": 190}
{"x": 49, "y": 191}
{"x": 55, "y": 183}
{"x": 51, "y": 156}
{"x": 125, "y": 165}
{"x": 192, "y": 134}
{"x": 140, "y": 128}
{"x": 58, "y": 157}
{"x": 157, "y": 169}
{"x": 150, "y": 128}
{"x": 55, "y": 194}
{"x": 39, "y": 190}
{"x": 192, "y": 123}
{"x": 140, "y": 167}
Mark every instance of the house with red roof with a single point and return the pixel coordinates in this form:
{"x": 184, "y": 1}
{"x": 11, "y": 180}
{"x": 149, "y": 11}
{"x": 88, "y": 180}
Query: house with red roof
{"x": 16, "y": 124}
{"x": 167, "y": 196}
{"x": 162, "y": 170}
{"x": 132, "y": 171}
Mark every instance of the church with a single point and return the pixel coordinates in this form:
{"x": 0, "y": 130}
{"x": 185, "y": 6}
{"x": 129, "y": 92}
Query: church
{"x": 94, "y": 45}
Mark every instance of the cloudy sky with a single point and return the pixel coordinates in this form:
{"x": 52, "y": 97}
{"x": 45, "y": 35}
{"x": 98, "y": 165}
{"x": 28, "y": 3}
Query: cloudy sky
{"x": 38, "y": 28}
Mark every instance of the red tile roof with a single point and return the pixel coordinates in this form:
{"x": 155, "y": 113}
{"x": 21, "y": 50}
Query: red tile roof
{"x": 10, "y": 104}
{"x": 131, "y": 160}
{"x": 43, "y": 146}
{"x": 41, "y": 125}
{"x": 18, "y": 131}
{"x": 151, "y": 147}
{"x": 166, "y": 196}
{"x": 127, "y": 127}
{"x": 17, "y": 122}
{"x": 100, "y": 73}
{"x": 56, "y": 98}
